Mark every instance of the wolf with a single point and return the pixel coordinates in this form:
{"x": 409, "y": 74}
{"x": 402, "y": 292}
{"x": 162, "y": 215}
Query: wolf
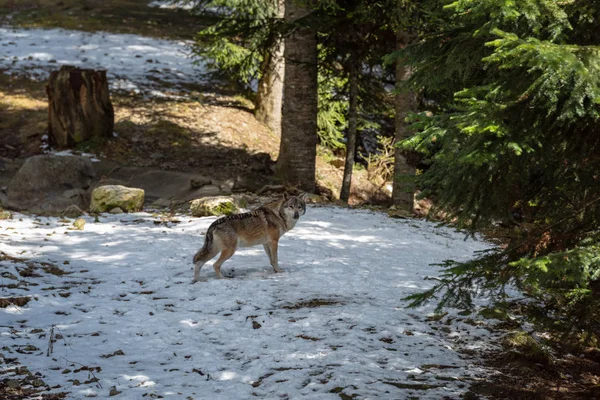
{"x": 264, "y": 225}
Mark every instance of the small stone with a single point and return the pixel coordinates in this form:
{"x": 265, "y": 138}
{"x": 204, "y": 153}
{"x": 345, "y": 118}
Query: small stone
{"x": 470, "y": 396}
{"x": 38, "y": 383}
{"x": 79, "y": 223}
{"x": 116, "y": 210}
{"x": 113, "y": 391}
{"x": 12, "y": 383}
{"x": 73, "y": 212}
{"x": 256, "y": 325}
{"x": 5, "y": 214}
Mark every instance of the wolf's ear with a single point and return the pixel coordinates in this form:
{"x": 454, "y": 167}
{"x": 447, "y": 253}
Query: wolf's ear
{"x": 303, "y": 196}
{"x": 286, "y": 196}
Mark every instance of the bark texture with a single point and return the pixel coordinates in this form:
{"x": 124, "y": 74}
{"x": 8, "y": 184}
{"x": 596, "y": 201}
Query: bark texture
{"x": 79, "y": 107}
{"x": 269, "y": 98}
{"x": 297, "y": 152}
{"x": 403, "y": 188}
{"x": 351, "y": 144}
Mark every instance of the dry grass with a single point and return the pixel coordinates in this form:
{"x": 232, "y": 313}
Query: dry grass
{"x": 23, "y": 116}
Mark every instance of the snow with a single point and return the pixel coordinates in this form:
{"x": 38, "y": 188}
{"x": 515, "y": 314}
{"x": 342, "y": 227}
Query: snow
{"x": 332, "y": 321}
{"x": 70, "y": 152}
{"x": 183, "y": 4}
{"x": 134, "y": 63}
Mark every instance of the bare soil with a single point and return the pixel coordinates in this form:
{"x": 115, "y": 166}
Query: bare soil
{"x": 573, "y": 377}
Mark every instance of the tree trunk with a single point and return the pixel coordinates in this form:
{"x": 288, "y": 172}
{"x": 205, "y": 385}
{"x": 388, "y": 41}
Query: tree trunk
{"x": 79, "y": 107}
{"x": 270, "y": 87}
{"x": 351, "y": 144}
{"x": 298, "y": 148}
{"x": 404, "y": 175}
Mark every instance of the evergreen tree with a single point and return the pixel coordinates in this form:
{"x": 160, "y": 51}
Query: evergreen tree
{"x": 511, "y": 137}
{"x": 298, "y": 146}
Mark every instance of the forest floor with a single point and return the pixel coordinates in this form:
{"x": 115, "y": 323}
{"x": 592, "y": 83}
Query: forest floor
{"x": 199, "y": 123}
{"x": 171, "y": 111}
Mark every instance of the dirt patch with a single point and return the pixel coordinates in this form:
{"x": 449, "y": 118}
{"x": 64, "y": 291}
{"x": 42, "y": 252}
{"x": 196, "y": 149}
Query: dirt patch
{"x": 314, "y": 303}
{"x": 569, "y": 377}
{"x": 53, "y": 269}
{"x": 306, "y": 337}
{"x": 413, "y": 386}
{"x": 17, "y": 301}
{"x": 118, "y": 16}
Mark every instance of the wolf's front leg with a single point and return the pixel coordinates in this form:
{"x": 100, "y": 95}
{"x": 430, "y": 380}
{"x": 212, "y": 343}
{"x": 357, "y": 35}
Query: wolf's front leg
{"x": 268, "y": 251}
{"x": 272, "y": 245}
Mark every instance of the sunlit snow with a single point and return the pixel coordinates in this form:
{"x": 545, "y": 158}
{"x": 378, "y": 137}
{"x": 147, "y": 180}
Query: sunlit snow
{"x": 332, "y": 321}
{"x": 134, "y": 63}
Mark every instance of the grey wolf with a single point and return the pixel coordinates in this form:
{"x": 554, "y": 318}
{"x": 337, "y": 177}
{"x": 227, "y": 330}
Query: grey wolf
{"x": 265, "y": 226}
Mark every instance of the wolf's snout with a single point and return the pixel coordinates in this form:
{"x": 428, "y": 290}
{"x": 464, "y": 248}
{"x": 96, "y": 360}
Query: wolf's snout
{"x": 296, "y": 215}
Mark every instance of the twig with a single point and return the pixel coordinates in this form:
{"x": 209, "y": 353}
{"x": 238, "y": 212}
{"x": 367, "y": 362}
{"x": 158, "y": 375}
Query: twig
{"x": 90, "y": 371}
{"x": 50, "y": 342}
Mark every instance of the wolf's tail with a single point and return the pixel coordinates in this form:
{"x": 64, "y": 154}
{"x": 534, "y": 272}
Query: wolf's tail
{"x": 206, "y": 252}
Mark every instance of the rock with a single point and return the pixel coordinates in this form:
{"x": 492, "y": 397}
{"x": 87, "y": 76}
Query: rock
{"x": 315, "y": 199}
{"x": 220, "y": 205}
{"x": 249, "y": 182}
{"x": 400, "y": 214}
{"x": 113, "y": 391}
{"x": 271, "y": 189}
{"x": 162, "y": 203}
{"x": 73, "y": 212}
{"x": 5, "y": 214}
{"x": 199, "y": 181}
{"x": 106, "y": 198}
{"x": 12, "y": 383}
{"x": 37, "y": 383}
{"x": 79, "y": 223}
{"x": 50, "y": 184}
{"x": 256, "y": 325}
{"x": 116, "y": 210}
{"x": 228, "y": 185}
{"x": 262, "y": 163}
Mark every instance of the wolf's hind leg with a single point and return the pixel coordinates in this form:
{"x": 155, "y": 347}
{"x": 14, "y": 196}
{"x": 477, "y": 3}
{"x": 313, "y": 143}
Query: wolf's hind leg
{"x": 200, "y": 259}
{"x": 225, "y": 255}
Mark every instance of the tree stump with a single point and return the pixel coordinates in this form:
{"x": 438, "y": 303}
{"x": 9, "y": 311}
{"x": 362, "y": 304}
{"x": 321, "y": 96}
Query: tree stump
{"x": 79, "y": 107}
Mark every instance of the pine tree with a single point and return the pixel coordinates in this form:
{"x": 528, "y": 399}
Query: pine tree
{"x": 511, "y": 138}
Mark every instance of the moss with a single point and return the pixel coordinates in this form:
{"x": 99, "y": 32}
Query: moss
{"x": 225, "y": 208}
{"x": 213, "y": 206}
{"x": 525, "y": 347}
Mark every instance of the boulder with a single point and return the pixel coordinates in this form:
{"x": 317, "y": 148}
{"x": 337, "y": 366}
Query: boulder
{"x": 199, "y": 181}
{"x": 109, "y": 197}
{"x": 73, "y": 212}
{"x": 49, "y": 184}
{"x": 219, "y": 205}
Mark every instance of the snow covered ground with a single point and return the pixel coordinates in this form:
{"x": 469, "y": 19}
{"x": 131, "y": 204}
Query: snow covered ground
{"x": 182, "y": 4}
{"x": 135, "y": 63}
{"x": 332, "y": 322}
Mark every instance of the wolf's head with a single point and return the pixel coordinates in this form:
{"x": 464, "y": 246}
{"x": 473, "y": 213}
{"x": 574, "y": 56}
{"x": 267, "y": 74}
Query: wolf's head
{"x": 294, "y": 206}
